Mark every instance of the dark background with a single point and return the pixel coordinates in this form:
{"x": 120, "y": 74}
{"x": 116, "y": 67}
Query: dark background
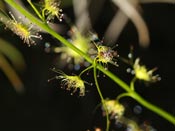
{"x": 46, "y": 107}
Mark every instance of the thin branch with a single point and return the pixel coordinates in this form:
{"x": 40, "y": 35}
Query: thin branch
{"x": 101, "y": 96}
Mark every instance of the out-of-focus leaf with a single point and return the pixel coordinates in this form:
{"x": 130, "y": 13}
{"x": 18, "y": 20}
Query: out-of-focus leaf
{"x": 157, "y": 1}
{"x": 2, "y": 6}
{"x": 83, "y": 21}
{"x": 11, "y": 74}
{"x": 117, "y": 24}
{"x": 137, "y": 20}
{"x": 12, "y": 54}
{"x": 66, "y": 3}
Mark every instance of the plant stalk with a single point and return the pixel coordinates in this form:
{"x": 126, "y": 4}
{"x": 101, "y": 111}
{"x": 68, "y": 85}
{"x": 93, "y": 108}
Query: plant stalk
{"x": 117, "y": 80}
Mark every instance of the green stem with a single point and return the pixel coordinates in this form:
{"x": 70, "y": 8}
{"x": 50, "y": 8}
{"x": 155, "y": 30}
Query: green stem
{"x": 123, "y": 95}
{"x": 121, "y": 83}
{"x": 138, "y": 98}
{"x": 88, "y": 68}
{"x": 43, "y": 14}
{"x": 36, "y": 11}
{"x": 101, "y": 96}
{"x": 115, "y": 78}
{"x": 46, "y": 28}
{"x": 132, "y": 83}
{"x": 154, "y": 108}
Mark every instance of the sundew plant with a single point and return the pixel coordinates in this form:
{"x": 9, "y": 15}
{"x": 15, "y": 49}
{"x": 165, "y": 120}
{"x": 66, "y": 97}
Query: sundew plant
{"x": 89, "y": 61}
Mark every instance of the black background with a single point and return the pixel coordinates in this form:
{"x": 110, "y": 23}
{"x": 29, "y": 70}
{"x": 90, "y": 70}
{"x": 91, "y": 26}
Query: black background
{"x": 45, "y": 107}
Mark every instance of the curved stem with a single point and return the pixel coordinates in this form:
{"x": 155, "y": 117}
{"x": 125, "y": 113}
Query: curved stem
{"x": 88, "y": 68}
{"x": 123, "y": 95}
{"x": 132, "y": 83}
{"x": 101, "y": 96}
{"x": 117, "y": 80}
{"x": 43, "y": 13}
